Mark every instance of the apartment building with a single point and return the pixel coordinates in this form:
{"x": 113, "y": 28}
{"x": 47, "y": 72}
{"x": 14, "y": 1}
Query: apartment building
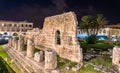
{"x": 15, "y": 26}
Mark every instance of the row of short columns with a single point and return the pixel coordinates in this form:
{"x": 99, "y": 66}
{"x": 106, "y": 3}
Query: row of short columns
{"x": 50, "y": 56}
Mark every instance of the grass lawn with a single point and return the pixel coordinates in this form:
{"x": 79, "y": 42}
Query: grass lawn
{"x": 62, "y": 63}
{"x": 88, "y": 69}
{"x": 105, "y": 61}
{"x": 5, "y": 56}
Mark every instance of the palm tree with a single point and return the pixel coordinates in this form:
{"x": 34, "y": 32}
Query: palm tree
{"x": 100, "y": 22}
{"x": 91, "y": 24}
{"x": 86, "y": 23}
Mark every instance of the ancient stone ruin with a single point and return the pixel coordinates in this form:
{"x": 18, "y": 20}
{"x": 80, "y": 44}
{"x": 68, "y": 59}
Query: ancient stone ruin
{"x": 116, "y": 58}
{"x": 58, "y": 37}
{"x": 59, "y": 34}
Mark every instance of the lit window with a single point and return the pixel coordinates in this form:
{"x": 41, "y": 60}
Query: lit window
{"x": 10, "y": 25}
{"x": 30, "y": 25}
{"x": 15, "y": 25}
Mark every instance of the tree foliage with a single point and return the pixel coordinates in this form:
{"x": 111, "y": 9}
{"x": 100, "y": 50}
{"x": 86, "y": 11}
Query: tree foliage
{"x": 91, "y": 24}
{"x": 92, "y": 39}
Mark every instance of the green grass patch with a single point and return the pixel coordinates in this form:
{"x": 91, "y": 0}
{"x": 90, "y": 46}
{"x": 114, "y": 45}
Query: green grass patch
{"x": 88, "y": 69}
{"x": 4, "y": 55}
{"x": 62, "y": 63}
{"x": 103, "y": 61}
{"x": 4, "y": 67}
{"x": 36, "y": 50}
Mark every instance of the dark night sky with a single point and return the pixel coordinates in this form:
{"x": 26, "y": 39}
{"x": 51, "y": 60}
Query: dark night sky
{"x": 36, "y": 10}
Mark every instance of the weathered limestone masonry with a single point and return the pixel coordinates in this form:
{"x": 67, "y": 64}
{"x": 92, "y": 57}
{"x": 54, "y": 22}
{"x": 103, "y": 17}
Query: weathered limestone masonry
{"x": 50, "y": 60}
{"x": 59, "y": 34}
{"x": 116, "y": 57}
{"x": 10, "y": 42}
{"x": 30, "y": 47}
{"x": 20, "y": 43}
{"x": 16, "y": 42}
{"x": 38, "y": 56}
{"x": 26, "y": 63}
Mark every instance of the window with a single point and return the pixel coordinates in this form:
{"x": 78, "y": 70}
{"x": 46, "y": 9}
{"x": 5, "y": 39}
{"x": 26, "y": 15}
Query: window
{"x": 100, "y": 31}
{"x": 15, "y": 25}
{"x": 58, "y": 40}
{"x": 10, "y": 25}
{"x": 26, "y": 25}
{"x": 30, "y": 25}
{"x": 22, "y": 25}
{"x": 104, "y": 31}
{"x": 4, "y": 25}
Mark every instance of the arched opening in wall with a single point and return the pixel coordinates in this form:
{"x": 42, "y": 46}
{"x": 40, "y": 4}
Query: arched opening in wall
{"x": 58, "y": 39}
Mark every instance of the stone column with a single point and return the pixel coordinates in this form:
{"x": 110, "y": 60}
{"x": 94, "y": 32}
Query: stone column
{"x": 16, "y": 43}
{"x": 10, "y": 42}
{"x": 116, "y": 57}
{"x": 50, "y": 60}
{"x": 30, "y": 47}
{"x": 38, "y": 56}
{"x": 20, "y": 43}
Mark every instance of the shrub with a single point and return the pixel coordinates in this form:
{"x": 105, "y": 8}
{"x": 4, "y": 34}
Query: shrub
{"x": 15, "y": 34}
{"x": 92, "y": 39}
{"x": 36, "y": 50}
{"x": 102, "y": 46}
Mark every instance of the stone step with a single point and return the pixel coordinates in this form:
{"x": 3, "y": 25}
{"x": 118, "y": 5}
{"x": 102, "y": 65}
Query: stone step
{"x": 28, "y": 64}
{"x": 16, "y": 62}
{"x": 20, "y": 60}
{"x": 14, "y": 57}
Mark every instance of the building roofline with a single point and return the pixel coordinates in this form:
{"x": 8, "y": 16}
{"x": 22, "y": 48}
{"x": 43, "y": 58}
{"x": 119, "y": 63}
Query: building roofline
{"x": 15, "y": 21}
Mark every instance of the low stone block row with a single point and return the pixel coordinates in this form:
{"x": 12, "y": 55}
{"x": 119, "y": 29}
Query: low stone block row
{"x": 27, "y": 59}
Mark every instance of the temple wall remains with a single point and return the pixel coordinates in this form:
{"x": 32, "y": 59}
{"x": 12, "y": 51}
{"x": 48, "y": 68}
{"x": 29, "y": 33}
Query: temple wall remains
{"x": 59, "y": 34}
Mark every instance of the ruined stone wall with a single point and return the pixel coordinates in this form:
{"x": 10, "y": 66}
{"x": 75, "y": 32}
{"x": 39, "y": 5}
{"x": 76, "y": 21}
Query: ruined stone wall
{"x": 66, "y": 24}
{"x": 32, "y": 33}
{"x": 116, "y": 57}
